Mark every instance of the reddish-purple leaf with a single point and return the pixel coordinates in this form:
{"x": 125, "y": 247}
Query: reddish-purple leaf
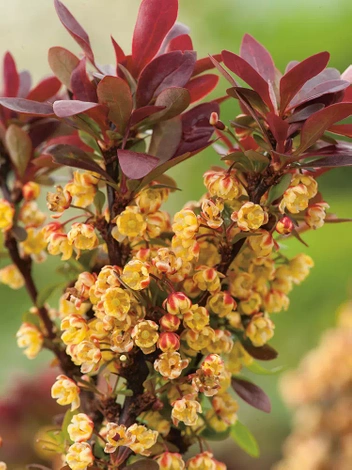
{"x": 81, "y": 86}
{"x": 318, "y": 123}
{"x": 42, "y": 129}
{"x": 175, "y": 100}
{"x": 62, "y": 62}
{"x": 348, "y": 95}
{"x": 11, "y": 77}
{"x": 263, "y": 353}
{"x": 201, "y": 86}
{"x": 202, "y": 65}
{"x": 67, "y": 108}
{"x": 116, "y": 95}
{"x": 178, "y": 29}
{"x": 154, "y": 21}
{"x": 251, "y": 394}
{"x": 25, "y": 84}
{"x": 279, "y": 129}
{"x": 258, "y": 57}
{"x": 75, "y": 29}
{"x": 140, "y": 114}
{"x": 173, "y": 69}
{"x": 119, "y": 54}
{"x": 223, "y": 71}
{"x": 136, "y": 165}
{"x": 19, "y": 146}
{"x": 250, "y": 96}
{"x": 297, "y": 76}
{"x": 165, "y": 139}
{"x": 245, "y": 71}
{"x": 342, "y": 129}
{"x": 333, "y": 161}
{"x": 180, "y": 43}
{"x": 45, "y": 89}
{"x": 304, "y": 113}
{"x": 331, "y": 86}
{"x": 21, "y": 105}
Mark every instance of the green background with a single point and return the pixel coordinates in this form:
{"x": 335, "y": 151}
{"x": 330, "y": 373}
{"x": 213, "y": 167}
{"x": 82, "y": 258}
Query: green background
{"x": 291, "y": 31}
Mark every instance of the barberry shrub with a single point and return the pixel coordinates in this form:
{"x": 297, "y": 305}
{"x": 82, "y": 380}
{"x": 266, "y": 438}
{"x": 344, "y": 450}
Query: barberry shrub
{"x": 158, "y": 315}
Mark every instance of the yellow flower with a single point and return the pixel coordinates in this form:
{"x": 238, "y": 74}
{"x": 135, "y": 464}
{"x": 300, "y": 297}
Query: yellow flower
{"x": 145, "y": 335}
{"x": 83, "y": 188}
{"x": 187, "y": 249}
{"x": 260, "y": 330}
{"x": 30, "y": 215}
{"x": 157, "y": 222}
{"x": 177, "y": 303}
{"x": 299, "y": 267}
{"x": 66, "y": 392}
{"x": 203, "y": 461}
{"x": 116, "y": 436}
{"x": 295, "y": 199}
{"x": 82, "y": 237}
{"x": 196, "y": 318}
{"x": 66, "y": 307}
{"x": 150, "y": 199}
{"x": 169, "y": 342}
{"x": 79, "y": 456}
{"x": 284, "y": 226}
{"x": 262, "y": 243}
{"x": 85, "y": 354}
{"x": 315, "y": 215}
{"x": 130, "y": 223}
{"x": 221, "y": 343}
{"x": 11, "y": 276}
{"x": 185, "y": 224}
{"x": 31, "y": 338}
{"x": 241, "y": 285}
{"x": 121, "y": 341}
{"x": 251, "y": 305}
{"x": 221, "y": 303}
{"x": 143, "y": 438}
{"x": 237, "y": 358}
{"x": 136, "y": 275}
{"x": 207, "y": 279}
{"x": 35, "y": 242}
{"x": 169, "y": 322}
{"x": 81, "y": 428}
{"x": 275, "y": 301}
{"x": 166, "y": 261}
{"x": 7, "y": 212}
{"x": 213, "y": 364}
{"x": 250, "y": 217}
{"x": 75, "y": 329}
{"x": 208, "y": 253}
{"x": 170, "y": 365}
{"x": 155, "y": 420}
{"x": 221, "y": 183}
{"x": 170, "y": 461}
{"x": 225, "y": 407}
{"x": 198, "y": 340}
{"x": 211, "y": 212}
{"x": 185, "y": 410}
{"x": 59, "y": 244}
{"x": 116, "y": 302}
{"x": 308, "y": 181}
{"x": 58, "y": 201}
{"x": 30, "y": 191}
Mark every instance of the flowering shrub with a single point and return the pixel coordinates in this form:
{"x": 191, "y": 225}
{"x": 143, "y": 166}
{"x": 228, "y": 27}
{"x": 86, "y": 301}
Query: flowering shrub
{"x": 158, "y": 315}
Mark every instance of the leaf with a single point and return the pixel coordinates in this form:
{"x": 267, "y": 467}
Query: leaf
{"x": 180, "y": 43}
{"x": 19, "y": 146}
{"x": 11, "y": 77}
{"x": 175, "y": 100}
{"x": 66, "y": 421}
{"x": 99, "y": 201}
{"x": 258, "y": 57}
{"x": 119, "y": 54}
{"x": 297, "y": 76}
{"x": 245, "y": 71}
{"x": 154, "y": 21}
{"x": 140, "y": 114}
{"x": 279, "y": 129}
{"x": 161, "y": 169}
{"x": 116, "y": 95}
{"x": 211, "y": 435}
{"x": 245, "y": 439}
{"x": 305, "y": 113}
{"x": 201, "y": 86}
{"x": 251, "y": 96}
{"x": 62, "y": 62}
{"x": 165, "y": 139}
{"x": 319, "y": 122}
{"x": 331, "y": 86}
{"x": 202, "y": 65}
{"x": 278, "y": 190}
{"x": 75, "y": 29}
{"x": 143, "y": 464}
{"x": 173, "y": 69}
{"x": 81, "y": 86}
{"x": 251, "y": 394}
{"x": 259, "y": 161}
{"x": 67, "y": 108}
{"x": 329, "y": 162}
{"x": 45, "y": 89}
{"x": 48, "y": 291}
{"x": 256, "y": 368}
{"x": 21, "y": 105}
{"x": 19, "y": 233}
{"x": 342, "y": 129}
{"x": 263, "y": 353}
{"x": 25, "y": 83}
{"x": 136, "y": 165}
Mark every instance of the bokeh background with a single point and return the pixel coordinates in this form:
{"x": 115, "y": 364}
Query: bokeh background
{"x": 290, "y": 30}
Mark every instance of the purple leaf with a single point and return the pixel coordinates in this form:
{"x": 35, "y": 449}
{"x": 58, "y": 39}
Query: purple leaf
{"x": 250, "y": 96}
{"x": 19, "y": 146}
{"x": 173, "y": 69}
{"x": 82, "y": 88}
{"x": 175, "y": 100}
{"x": 318, "y": 123}
{"x": 45, "y": 89}
{"x": 75, "y": 29}
{"x": 165, "y": 139}
{"x": 329, "y": 162}
{"x": 258, "y": 57}
{"x": 222, "y": 70}
{"x": 178, "y": 29}
{"x": 279, "y": 129}
{"x": 154, "y": 21}
{"x": 25, "y": 84}
{"x": 67, "y": 108}
{"x": 116, "y": 95}
{"x": 305, "y": 113}
{"x": 297, "y": 76}
{"x": 62, "y": 62}
{"x": 21, "y": 105}
{"x": 136, "y": 165}
{"x": 263, "y": 353}
{"x": 201, "y": 86}
{"x": 180, "y": 43}
{"x": 11, "y": 77}
{"x": 331, "y": 86}
{"x": 251, "y": 394}
{"x": 42, "y": 129}
{"x": 140, "y": 114}
{"x": 245, "y": 71}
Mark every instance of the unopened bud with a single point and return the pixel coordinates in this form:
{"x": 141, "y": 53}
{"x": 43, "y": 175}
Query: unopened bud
{"x": 170, "y": 322}
{"x": 214, "y": 121}
{"x": 169, "y": 342}
{"x": 284, "y": 225}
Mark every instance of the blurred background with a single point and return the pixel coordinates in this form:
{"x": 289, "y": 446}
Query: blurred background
{"x": 291, "y": 31}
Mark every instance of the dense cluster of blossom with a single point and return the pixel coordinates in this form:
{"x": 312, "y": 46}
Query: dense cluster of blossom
{"x": 319, "y": 391}
{"x": 159, "y": 314}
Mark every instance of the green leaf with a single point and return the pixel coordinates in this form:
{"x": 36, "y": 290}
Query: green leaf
{"x": 90, "y": 141}
{"x": 67, "y": 420}
{"x": 212, "y": 435}
{"x": 19, "y": 146}
{"x": 259, "y": 161}
{"x": 99, "y": 201}
{"x": 48, "y": 291}
{"x": 261, "y": 142}
{"x": 31, "y": 318}
{"x": 62, "y": 62}
{"x": 245, "y": 439}
{"x": 19, "y": 233}
{"x": 260, "y": 370}
{"x": 278, "y": 190}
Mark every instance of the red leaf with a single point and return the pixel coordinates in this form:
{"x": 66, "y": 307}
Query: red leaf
{"x": 201, "y": 86}
{"x": 258, "y": 57}
{"x": 245, "y": 71}
{"x": 154, "y": 21}
{"x": 318, "y": 123}
{"x": 173, "y": 69}
{"x": 119, "y": 54}
{"x": 175, "y": 100}
{"x": 279, "y": 129}
{"x": 178, "y": 29}
{"x": 42, "y": 129}
{"x": 263, "y": 353}
{"x": 140, "y": 114}
{"x": 11, "y": 77}
{"x": 332, "y": 161}
{"x": 25, "y": 84}
{"x": 202, "y": 65}
{"x": 180, "y": 43}
{"x": 297, "y": 76}
{"x": 251, "y": 394}
{"x": 342, "y": 129}
{"x": 21, "y": 105}
{"x": 62, "y": 62}
{"x": 304, "y": 113}
{"x": 75, "y": 29}
{"x": 348, "y": 95}
{"x": 136, "y": 165}
{"x": 331, "y": 86}
{"x": 82, "y": 88}
{"x": 45, "y": 89}
{"x": 67, "y": 108}
{"x": 116, "y": 95}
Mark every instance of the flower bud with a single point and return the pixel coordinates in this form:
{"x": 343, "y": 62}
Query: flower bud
{"x": 169, "y": 322}
{"x": 169, "y": 342}
{"x": 284, "y": 226}
{"x": 30, "y": 191}
{"x": 177, "y": 303}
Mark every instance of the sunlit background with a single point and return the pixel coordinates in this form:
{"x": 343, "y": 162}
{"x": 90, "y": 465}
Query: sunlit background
{"x": 290, "y": 30}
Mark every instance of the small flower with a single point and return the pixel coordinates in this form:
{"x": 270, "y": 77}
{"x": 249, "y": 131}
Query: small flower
{"x": 221, "y": 303}
{"x": 169, "y": 342}
{"x": 225, "y": 407}
{"x": 66, "y": 392}
{"x": 150, "y": 199}
{"x": 170, "y": 365}
{"x": 222, "y": 184}
{"x": 251, "y": 305}
{"x": 207, "y": 279}
{"x": 35, "y": 242}
{"x": 275, "y": 301}
{"x": 59, "y": 244}
{"x": 11, "y": 276}
{"x": 170, "y": 461}
{"x": 31, "y": 338}
{"x": 130, "y": 223}
{"x": 136, "y": 275}
{"x": 87, "y": 355}
{"x": 169, "y": 322}
{"x": 166, "y": 261}
{"x": 116, "y": 302}
{"x": 7, "y": 212}
{"x": 81, "y": 428}
{"x": 185, "y": 410}
{"x": 308, "y": 181}
{"x": 262, "y": 243}
{"x": 260, "y": 330}
{"x": 3, "y": 466}
{"x": 203, "y": 461}
{"x": 82, "y": 237}
{"x": 299, "y": 267}
{"x": 75, "y": 329}
{"x": 143, "y": 438}
{"x": 196, "y": 318}
{"x": 211, "y": 212}
{"x": 30, "y": 215}
{"x": 295, "y": 199}
{"x": 213, "y": 364}
{"x": 177, "y": 303}
{"x": 79, "y": 456}
{"x": 145, "y": 335}
{"x": 315, "y": 215}
{"x": 116, "y": 436}
{"x": 284, "y": 226}
{"x": 199, "y": 340}
{"x": 83, "y": 188}
{"x": 58, "y": 201}
{"x": 250, "y": 217}
{"x": 185, "y": 224}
